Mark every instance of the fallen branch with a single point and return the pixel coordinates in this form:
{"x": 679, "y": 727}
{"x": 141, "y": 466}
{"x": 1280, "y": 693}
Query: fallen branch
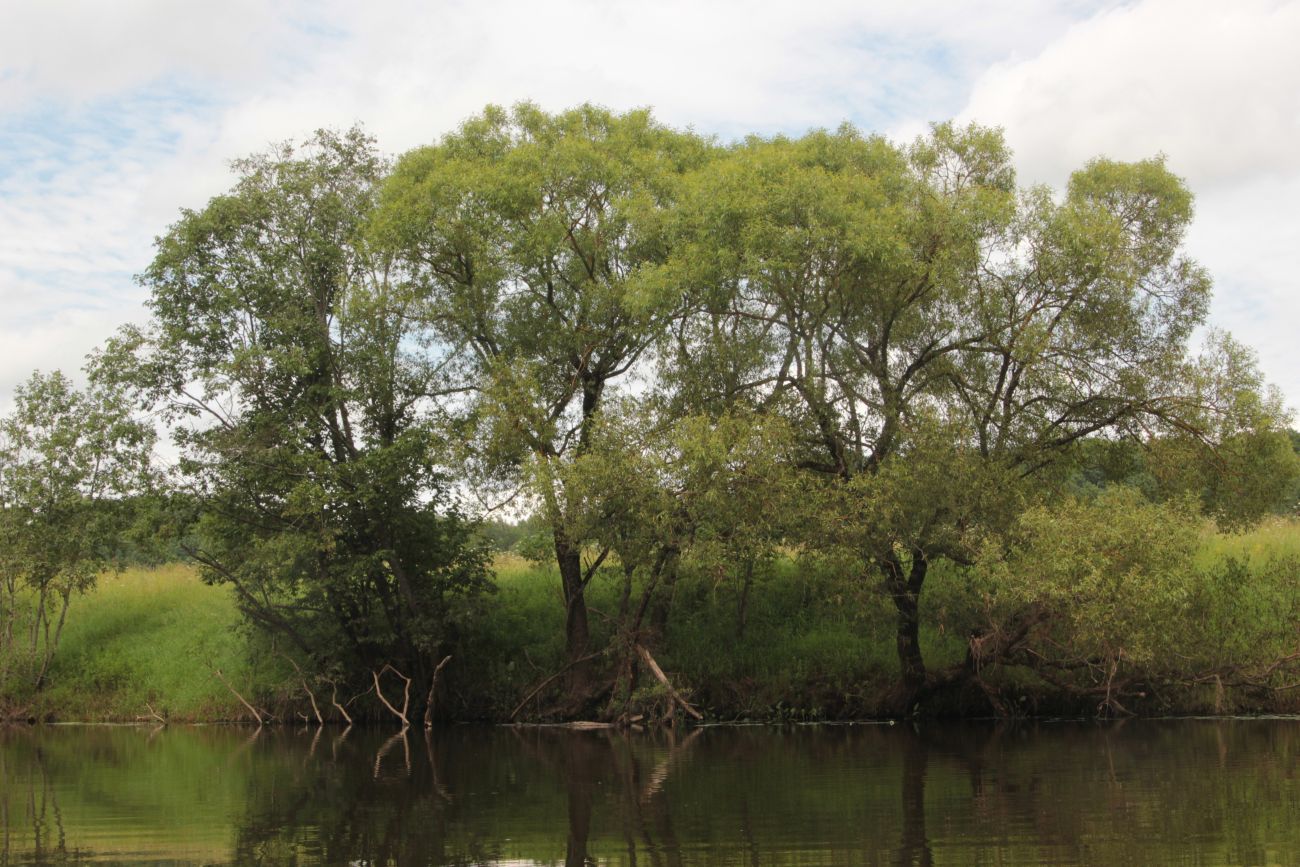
{"x": 663, "y": 678}
{"x": 162, "y": 719}
{"x": 433, "y": 685}
{"x": 541, "y": 686}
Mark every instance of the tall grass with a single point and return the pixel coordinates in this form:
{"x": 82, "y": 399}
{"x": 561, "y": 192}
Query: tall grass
{"x": 815, "y": 642}
{"x": 150, "y": 637}
{"x": 1275, "y": 539}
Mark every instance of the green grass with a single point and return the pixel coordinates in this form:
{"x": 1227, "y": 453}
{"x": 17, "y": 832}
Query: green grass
{"x": 815, "y": 643}
{"x": 150, "y": 636}
{"x": 1275, "y": 539}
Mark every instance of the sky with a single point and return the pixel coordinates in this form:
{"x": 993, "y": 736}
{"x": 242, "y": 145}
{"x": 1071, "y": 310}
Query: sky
{"x": 114, "y": 116}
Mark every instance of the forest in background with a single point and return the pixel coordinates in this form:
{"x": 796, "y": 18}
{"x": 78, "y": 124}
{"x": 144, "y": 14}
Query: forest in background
{"x": 802, "y": 427}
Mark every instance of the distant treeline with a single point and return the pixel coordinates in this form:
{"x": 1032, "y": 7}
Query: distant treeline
{"x": 689, "y": 361}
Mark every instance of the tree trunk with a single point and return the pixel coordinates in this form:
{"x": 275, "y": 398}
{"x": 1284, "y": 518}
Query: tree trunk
{"x": 577, "y": 632}
{"x": 904, "y": 587}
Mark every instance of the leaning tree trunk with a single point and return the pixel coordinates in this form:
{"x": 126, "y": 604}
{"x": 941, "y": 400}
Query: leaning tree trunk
{"x": 904, "y": 586}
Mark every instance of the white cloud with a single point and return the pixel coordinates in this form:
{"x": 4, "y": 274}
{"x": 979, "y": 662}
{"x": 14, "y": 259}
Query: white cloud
{"x": 113, "y": 116}
{"x": 1216, "y": 88}
{"x": 1213, "y": 85}
{"x": 69, "y": 49}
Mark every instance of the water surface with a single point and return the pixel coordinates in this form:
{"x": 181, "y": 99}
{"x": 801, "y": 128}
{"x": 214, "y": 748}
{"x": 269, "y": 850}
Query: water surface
{"x": 1145, "y": 792}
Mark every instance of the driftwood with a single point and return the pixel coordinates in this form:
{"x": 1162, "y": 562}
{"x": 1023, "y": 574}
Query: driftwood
{"x": 162, "y": 719}
{"x": 261, "y": 716}
{"x": 433, "y": 686}
{"x": 406, "y": 695}
{"x": 667, "y": 684}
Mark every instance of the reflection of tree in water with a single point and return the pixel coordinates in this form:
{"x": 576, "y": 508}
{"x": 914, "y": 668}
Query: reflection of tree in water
{"x": 915, "y": 845}
{"x": 630, "y": 771}
{"x": 380, "y": 799}
{"x": 448, "y": 797}
{"x": 29, "y": 801}
{"x": 864, "y": 794}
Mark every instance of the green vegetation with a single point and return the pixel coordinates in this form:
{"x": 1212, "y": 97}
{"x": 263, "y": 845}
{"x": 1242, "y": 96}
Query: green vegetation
{"x": 813, "y": 645}
{"x": 153, "y": 637}
{"x": 772, "y": 408}
{"x": 70, "y": 461}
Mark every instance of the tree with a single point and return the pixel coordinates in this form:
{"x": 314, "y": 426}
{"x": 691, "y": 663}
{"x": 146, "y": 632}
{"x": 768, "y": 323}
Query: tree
{"x": 919, "y": 319}
{"x": 69, "y": 459}
{"x": 712, "y": 495}
{"x": 537, "y": 239}
{"x": 1094, "y": 595}
{"x": 291, "y": 358}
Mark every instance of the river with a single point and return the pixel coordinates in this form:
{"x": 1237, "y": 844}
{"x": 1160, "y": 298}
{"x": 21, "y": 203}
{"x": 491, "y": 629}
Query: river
{"x": 1141, "y": 792}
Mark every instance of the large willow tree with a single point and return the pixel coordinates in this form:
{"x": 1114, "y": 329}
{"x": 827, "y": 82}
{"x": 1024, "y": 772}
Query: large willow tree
{"x": 942, "y": 339}
{"x": 538, "y": 241}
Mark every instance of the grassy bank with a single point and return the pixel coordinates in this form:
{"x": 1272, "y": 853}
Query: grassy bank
{"x": 152, "y": 637}
{"x": 810, "y": 644}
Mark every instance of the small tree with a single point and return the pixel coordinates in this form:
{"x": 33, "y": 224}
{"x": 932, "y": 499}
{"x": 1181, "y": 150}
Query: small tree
{"x": 68, "y": 460}
{"x": 1091, "y": 594}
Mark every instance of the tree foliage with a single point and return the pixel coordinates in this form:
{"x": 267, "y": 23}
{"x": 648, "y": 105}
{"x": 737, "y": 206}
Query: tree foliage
{"x": 70, "y": 459}
{"x": 538, "y": 241}
{"x": 289, "y": 356}
{"x": 690, "y": 357}
{"x": 942, "y": 340}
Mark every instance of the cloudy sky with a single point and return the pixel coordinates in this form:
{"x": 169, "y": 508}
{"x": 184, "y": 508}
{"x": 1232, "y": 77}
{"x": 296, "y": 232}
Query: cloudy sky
{"x": 113, "y": 115}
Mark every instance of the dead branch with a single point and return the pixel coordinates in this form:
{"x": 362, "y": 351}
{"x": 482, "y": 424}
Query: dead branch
{"x": 257, "y": 714}
{"x": 406, "y": 696}
{"x": 302, "y": 678}
{"x": 663, "y": 678}
{"x": 162, "y": 719}
{"x": 334, "y": 700}
{"x": 433, "y": 686}
{"x": 545, "y": 683}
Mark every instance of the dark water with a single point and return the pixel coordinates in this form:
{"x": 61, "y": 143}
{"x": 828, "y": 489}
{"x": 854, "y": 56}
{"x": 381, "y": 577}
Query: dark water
{"x": 1147, "y": 792}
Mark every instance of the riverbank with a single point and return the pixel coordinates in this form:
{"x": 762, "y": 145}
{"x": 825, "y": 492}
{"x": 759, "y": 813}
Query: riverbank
{"x": 801, "y": 643}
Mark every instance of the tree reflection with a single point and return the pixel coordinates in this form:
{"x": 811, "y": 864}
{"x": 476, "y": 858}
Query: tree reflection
{"x": 863, "y": 794}
{"x": 915, "y": 845}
